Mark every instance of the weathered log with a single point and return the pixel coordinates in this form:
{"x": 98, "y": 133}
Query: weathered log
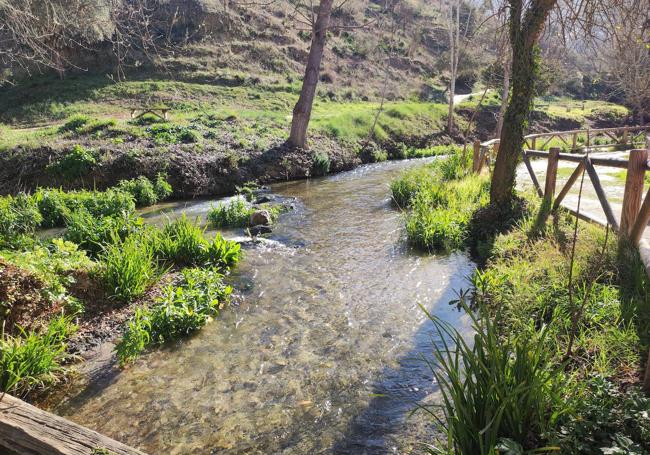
{"x": 27, "y": 430}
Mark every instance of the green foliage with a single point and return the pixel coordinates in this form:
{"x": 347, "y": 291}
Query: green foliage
{"x": 52, "y": 262}
{"x": 183, "y": 242}
{"x": 166, "y": 133}
{"x": 525, "y": 285}
{"x": 162, "y": 187}
{"x": 74, "y": 123}
{"x": 128, "y": 267}
{"x": 608, "y": 420}
{"x": 91, "y": 233}
{"x": 77, "y": 162}
{"x": 33, "y": 360}
{"x": 180, "y": 310}
{"x": 500, "y": 385}
{"x": 19, "y": 216}
{"x": 234, "y": 213}
{"x": 143, "y": 191}
{"x": 440, "y": 215}
{"x": 321, "y": 165}
{"x": 57, "y": 205}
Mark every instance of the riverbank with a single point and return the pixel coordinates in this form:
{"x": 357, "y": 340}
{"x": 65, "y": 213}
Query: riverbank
{"x": 224, "y": 134}
{"x": 562, "y": 318}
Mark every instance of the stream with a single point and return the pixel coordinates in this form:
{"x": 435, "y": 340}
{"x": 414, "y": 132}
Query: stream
{"x": 322, "y": 354}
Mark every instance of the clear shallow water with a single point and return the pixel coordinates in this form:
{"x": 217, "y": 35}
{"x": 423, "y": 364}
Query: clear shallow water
{"x": 320, "y": 356}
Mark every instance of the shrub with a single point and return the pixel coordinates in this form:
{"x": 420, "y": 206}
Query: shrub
{"x": 234, "y": 213}
{"x": 74, "y": 123}
{"x": 129, "y": 267}
{"x": 75, "y": 163}
{"x": 321, "y": 165}
{"x": 142, "y": 189}
{"x": 33, "y": 360}
{"x": 171, "y": 134}
{"x": 51, "y": 262}
{"x": 440, "y": 214}
{"x": 179, "y": 311}
{"x": 162, "y": 188}
{"x": 147, "y": 119}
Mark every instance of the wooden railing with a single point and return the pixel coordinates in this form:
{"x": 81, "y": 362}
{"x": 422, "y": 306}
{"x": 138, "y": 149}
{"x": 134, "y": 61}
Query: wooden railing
{"x": 635, "y": 212}
{"x": 624, "y": 137}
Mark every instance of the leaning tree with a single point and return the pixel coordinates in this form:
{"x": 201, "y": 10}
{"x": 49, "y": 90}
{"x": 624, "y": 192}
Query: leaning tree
{"x": 526, "y": 22}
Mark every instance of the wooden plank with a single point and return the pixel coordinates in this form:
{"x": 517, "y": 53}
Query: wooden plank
{"x": 551, "y": 175}
{"x": 641, "y": 221}
{"x": 567, "y": 186}
{"x": 533, "y": 177}
{"x": 633, "y": 189}
{"x": 593, "y": 175}
{"x": 27, "y": 430}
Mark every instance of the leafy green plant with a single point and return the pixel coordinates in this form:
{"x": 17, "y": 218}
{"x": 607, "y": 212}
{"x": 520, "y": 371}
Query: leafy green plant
{"x": 183, "y": 242}
{"x": 128, "y": 267}
{"x": 77, "y": 162}
{"x": 234, "y": 213}
{"x": 181, "y": 310}
{"x": 33, "y": 360}
{"x": 162, "y": 187}
{"x": 92, "y": 233}
{"x": 499, "y": 386}
{"x": 19, "y": 216}
{"x": 57, "y": 205}
{"x": 143, "y": 191}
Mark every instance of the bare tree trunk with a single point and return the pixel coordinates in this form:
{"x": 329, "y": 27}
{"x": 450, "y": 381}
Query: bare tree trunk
{"x": 505, "y": 91}
{"x": 454, "y": 45}
{"x": 302, "y": 110}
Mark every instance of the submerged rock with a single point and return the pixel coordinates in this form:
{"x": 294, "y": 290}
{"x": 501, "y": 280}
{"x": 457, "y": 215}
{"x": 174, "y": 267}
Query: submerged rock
{"x": 260, "y": 229}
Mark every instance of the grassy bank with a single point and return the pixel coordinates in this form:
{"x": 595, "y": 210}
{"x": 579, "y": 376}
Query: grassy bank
{"x": 60, "y": 295}
{"x": 561, "y": 336}
{"x": 221, "y": 132}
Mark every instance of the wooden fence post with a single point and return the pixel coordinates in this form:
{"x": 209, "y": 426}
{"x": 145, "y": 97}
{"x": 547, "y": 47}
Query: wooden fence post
{"x": 633, "y": 190}
{"x": 574, "y": 141}
{"x": 533, "y": 142}
{"x": 476, "y": 158}
{"x": 551, "y": 175}
{"x": 624, "y": 139}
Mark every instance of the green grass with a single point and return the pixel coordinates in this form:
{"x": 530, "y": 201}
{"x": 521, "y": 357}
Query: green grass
{"x": 33, "y": 360}
{"x": 439, "y": 199}
{"x": 182, "y": 242}
{"x": 234, "y": 213}
{"x": 585, "y": 403}
{"x": 128, "y": 267}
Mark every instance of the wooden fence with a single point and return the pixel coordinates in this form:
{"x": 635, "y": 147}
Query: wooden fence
{"x": 635, "y": 212}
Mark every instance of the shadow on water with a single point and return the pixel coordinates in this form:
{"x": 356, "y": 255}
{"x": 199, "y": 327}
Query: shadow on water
{"x": 397, "y": 394}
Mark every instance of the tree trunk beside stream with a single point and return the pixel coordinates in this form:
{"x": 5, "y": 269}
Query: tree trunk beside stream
{"x": 302, "y": 110}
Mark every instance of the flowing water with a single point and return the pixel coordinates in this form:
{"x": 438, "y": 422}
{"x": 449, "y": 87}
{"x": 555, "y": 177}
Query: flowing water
{"x": 322, "y": 353}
